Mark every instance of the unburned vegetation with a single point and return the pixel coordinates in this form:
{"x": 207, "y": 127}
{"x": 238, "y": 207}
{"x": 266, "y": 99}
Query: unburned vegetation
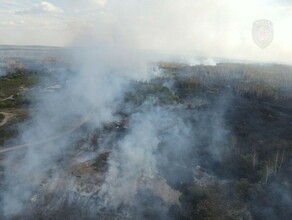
{"x": 254, "y": 164}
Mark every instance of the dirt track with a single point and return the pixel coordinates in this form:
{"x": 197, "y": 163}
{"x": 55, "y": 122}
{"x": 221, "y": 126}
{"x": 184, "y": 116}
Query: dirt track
{"x": 7, "y": 116}
{"x": 8, "y": 98}
{"x": 51, "y": 139}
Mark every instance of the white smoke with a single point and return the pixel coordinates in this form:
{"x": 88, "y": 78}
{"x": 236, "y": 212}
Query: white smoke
{"x": 103, "y": 72}
{"x": 132, "y": 163}
{"x": 91, "y": 96}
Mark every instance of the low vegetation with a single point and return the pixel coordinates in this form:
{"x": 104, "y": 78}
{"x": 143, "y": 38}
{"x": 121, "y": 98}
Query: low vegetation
{"x": 14, "y": 81}
{"x": 13, "y": 98}
{"x": 256, "y": 162}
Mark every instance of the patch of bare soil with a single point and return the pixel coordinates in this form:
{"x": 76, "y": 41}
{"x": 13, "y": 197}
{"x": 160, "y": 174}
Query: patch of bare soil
{"x": 7, "y": 117}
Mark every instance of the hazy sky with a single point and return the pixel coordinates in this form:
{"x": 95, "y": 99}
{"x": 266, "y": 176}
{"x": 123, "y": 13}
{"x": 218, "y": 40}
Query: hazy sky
{"x": 208, "y": 28}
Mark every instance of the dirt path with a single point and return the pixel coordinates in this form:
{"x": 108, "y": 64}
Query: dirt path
{"x": 75, "y": 127}
{"x": 8, "y": 98}
{"x": 6, "y": 118}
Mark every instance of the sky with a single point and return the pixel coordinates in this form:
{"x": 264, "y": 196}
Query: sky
{"x": 206, "y": 28}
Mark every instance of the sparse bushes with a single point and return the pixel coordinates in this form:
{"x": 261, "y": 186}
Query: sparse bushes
{"x": 10, "y": 85}
{"x": 17, "y": 101}
{"x": 243, "y": 188}
{"x": 151, "y": 91}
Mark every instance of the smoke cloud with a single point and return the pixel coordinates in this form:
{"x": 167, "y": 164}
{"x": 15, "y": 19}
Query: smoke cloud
{"x": 90, "y": 94}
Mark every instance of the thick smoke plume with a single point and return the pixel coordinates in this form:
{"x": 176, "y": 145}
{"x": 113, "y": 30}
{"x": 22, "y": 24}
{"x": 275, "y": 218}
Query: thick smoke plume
{"x": 91, "y": 94}
{"x": 157, "y": 138}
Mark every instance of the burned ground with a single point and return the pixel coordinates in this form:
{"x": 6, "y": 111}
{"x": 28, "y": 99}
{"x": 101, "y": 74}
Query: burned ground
{"x": 222, "y": 150}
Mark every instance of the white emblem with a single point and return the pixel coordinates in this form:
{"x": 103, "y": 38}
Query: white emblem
{"x": 262, "y": 33}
